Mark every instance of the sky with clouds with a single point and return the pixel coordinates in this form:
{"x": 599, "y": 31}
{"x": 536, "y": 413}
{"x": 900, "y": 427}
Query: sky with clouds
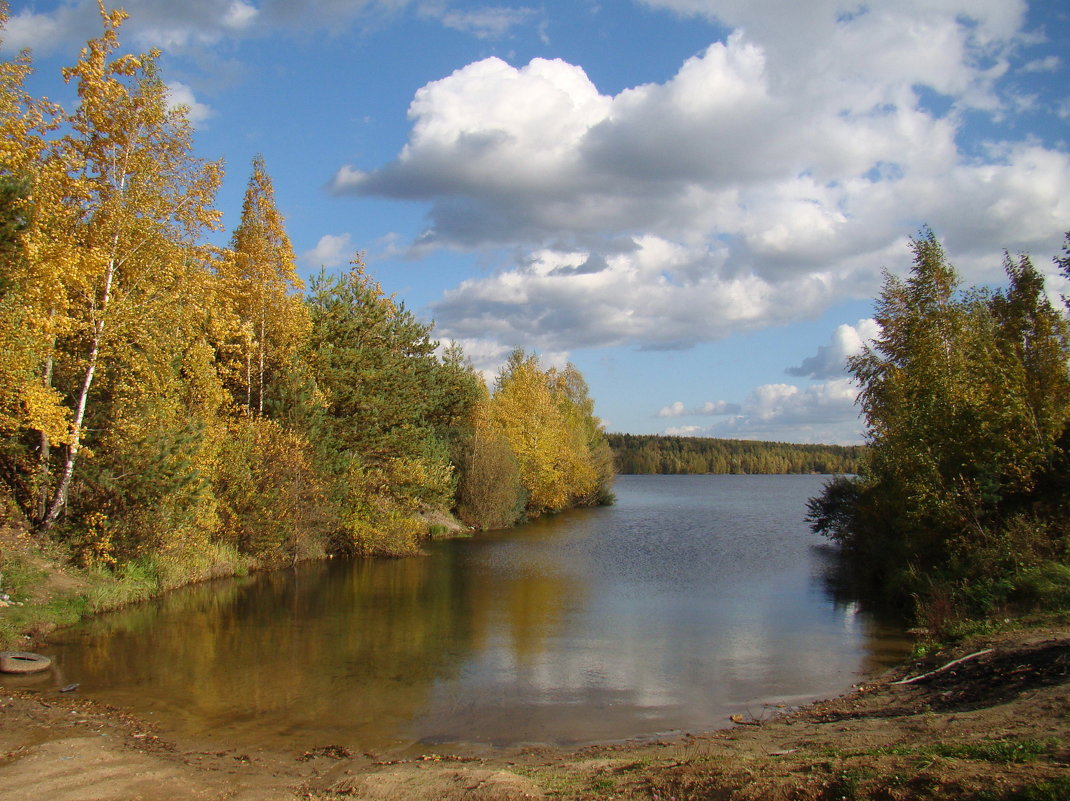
{"x": 691, "y": 200}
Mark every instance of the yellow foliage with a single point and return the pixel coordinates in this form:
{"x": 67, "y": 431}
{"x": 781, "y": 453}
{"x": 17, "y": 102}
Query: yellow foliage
{"x": 260, "y": 282}
{"x": 272, "y": 503}
{"x": 118, "y": 203}
{"x": 546, "y": 417}
{"x": 522, "y": 409}
{"x": 95, "y": 547}
{"x": 391, "y": 532}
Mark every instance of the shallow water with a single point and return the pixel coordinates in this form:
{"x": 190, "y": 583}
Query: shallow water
{"x": 693, "y": 598}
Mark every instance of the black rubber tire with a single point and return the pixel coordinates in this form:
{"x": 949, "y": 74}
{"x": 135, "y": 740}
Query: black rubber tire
{"x": 23, "y": 662}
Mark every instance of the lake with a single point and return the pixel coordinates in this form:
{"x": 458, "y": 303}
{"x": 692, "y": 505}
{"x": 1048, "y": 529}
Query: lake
{"x": 691, "y": 599}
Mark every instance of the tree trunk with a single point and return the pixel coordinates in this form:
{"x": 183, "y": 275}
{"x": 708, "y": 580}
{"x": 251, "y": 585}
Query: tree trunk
{"x": 59, "y": 500}
{"x": 45, "y": 456}
{"x": 260, "y": 393}
{"x": 248, "y": 376}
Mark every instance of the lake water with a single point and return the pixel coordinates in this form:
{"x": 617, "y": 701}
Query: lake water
{"x": 693, "y": 598}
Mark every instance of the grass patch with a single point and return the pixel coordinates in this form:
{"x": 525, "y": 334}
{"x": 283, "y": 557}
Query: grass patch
{"x": 998, "y": 751}
{"x": 603, "y": 784}
{"x": 845, "y": 784}
{"x": 552, "y": 781}
{"x": 135, "y": 581}
{"x": 48, "y": 591}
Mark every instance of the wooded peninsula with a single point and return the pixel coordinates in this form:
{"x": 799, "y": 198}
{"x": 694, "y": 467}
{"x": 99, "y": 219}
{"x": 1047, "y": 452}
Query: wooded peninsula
{"x": 172, "y": 410}
{"x": 961, "y": 508}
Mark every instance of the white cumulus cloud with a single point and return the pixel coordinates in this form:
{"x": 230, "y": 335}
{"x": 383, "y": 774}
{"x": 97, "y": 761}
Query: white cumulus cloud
{"x": 653, "y": 293}
{"x": 683, "y": 431}
{"x": 772, "y": 176}
{"x": 678, "y": 409}
{"x": 332, "y": 250}
{"x": 823, "y": 412}
{"x": 179, "y": 94}
{"x": 830, "y": 361}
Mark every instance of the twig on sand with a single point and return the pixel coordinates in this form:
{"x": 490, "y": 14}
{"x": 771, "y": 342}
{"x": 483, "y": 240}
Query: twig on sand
{"x": 950, "y": 664}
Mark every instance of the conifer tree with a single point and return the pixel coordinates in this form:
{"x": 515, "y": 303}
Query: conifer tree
{"x": 260, "y": 276}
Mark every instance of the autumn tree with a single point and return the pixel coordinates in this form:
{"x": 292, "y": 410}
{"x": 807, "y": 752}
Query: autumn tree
{"x": 32, "y": 415}
{"x": 261, "y": 282}
{"x": 523, "y": 410}
{"x": 547, "y": 419}
{"x": 133, "y": 201}
{"x": 965, "y": 397}
{"x": 591, "y": 465}
{"x": 490, "y": 494}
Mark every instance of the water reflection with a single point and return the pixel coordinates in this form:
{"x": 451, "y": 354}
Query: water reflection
{"x": 693, "y": 598}
{"x": 884, "y": 627}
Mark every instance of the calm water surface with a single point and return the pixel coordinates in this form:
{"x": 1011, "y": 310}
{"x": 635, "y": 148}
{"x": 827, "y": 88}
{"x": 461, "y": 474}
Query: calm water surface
{"x": 693, "y": 598}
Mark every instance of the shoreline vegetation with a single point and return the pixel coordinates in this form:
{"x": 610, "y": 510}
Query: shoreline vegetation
{"x": 173, "y": 411}
{"x": 960, "y": 510}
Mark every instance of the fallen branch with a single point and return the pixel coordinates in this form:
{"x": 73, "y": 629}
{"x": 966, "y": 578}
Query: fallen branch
{"x": 950, "y": 664}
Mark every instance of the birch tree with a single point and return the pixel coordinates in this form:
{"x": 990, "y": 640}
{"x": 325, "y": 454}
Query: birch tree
{"x": 34, "y": 266}
{"x": 139, "y": 202}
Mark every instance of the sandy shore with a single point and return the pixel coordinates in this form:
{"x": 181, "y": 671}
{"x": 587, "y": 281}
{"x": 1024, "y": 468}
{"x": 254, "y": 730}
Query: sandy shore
{"x": 995, "y": 722}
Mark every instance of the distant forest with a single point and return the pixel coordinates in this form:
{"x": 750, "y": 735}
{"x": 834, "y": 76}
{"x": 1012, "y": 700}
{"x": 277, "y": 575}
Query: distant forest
{"x": 654, "y": 454}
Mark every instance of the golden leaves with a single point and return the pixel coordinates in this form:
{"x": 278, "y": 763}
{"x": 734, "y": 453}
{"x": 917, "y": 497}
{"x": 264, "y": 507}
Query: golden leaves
{"x": 547, "y": 419}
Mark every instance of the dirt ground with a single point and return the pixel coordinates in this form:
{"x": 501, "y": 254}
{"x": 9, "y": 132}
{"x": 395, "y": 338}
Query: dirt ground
{"x": 994, "y": 726}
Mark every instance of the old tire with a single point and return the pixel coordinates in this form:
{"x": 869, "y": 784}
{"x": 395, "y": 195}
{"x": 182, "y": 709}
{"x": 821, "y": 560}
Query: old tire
{"x": 23, "y": 662}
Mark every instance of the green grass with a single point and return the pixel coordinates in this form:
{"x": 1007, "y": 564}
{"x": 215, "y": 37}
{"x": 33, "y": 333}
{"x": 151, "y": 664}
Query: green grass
{"x": 135, "y": 581}
{"x": 1000, "y": 751}
{"x": 845, "y": 784}
{"x": 997, "y": 751}
{"x": 20, "y": 576}
{"x": 603, "y": 784}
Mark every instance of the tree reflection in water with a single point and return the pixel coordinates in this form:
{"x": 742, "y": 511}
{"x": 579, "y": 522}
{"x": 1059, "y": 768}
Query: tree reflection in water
{"x": 693, "y": 598}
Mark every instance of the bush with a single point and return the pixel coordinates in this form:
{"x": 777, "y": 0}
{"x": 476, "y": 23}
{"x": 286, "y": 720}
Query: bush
{"x": 490, "y": 494}
{"x": 271, "y": 499}
{"x": 1046, "y": 586}
{"x": 391, "y": 533}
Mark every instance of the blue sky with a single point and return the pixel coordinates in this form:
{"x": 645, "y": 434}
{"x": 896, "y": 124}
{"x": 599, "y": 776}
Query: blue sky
{"x": 691, "y": 200}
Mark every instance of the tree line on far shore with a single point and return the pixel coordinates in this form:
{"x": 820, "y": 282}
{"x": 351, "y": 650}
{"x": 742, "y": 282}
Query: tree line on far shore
{"x": 192, "y": 409}
{"x": 647, "y": 454}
